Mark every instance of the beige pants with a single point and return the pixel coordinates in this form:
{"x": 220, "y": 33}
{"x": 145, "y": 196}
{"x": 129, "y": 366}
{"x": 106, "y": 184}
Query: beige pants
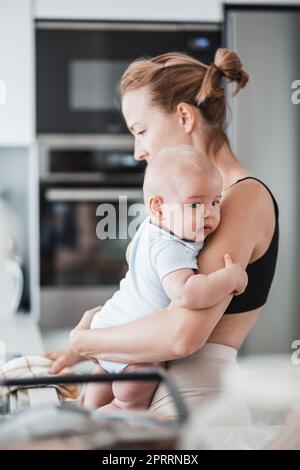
{"x": 199, "y": 378}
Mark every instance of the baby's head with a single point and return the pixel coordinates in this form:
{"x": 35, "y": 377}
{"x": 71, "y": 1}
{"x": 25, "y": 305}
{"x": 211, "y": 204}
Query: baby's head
{"x": 182, "y": 192}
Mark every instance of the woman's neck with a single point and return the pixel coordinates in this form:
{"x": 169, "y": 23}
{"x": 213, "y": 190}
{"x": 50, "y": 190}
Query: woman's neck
{"x": 228, "y": 165}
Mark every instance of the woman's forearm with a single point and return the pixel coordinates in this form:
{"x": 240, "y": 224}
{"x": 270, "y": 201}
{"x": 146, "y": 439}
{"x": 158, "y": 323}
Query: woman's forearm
{"x": 138, "y": 341}
{"x": 168, "y": 334}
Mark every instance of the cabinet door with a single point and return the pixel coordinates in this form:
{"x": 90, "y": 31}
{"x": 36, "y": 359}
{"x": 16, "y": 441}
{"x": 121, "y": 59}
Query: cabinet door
{"x": 16, "y": 72}
{"x": 156, "y": 10}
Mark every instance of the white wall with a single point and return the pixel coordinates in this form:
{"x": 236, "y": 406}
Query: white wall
{"x": 17, "y": 115}
{"x": 16, "y": 70}
{"x": 266, "y": 138}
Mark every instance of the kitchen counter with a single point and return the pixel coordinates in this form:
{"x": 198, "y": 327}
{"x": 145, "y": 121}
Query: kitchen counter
{"x": 21, "y": 335}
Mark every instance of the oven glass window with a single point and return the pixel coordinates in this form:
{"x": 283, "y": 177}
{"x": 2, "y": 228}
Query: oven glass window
{"x": 72, "y": 253}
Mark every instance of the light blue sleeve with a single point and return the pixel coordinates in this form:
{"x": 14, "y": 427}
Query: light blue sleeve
{"x": 168, "y": 256}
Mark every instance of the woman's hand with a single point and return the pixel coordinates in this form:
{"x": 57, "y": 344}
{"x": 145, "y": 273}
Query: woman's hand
{"x": 65, "y": 357}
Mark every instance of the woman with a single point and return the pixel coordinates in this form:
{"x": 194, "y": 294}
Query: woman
{"x": 169, "y": 100}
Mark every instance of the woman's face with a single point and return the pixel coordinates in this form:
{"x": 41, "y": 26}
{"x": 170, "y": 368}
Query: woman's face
{"x": 152, "y": 129}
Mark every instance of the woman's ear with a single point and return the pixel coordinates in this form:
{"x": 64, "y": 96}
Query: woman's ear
{"x": 155, "y": 205}
{"x": 187, "y": 116}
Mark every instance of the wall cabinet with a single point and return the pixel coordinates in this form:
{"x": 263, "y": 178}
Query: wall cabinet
{"x": 16, "y": 73}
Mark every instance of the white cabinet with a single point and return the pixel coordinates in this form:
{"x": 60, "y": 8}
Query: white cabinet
{"x": 16, "y": 72}
{"x": 166, "y": 10}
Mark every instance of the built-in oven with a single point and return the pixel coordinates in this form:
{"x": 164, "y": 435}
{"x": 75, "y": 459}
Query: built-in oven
{"x": 78, "y": 65}
{"x": 91, "y": 204}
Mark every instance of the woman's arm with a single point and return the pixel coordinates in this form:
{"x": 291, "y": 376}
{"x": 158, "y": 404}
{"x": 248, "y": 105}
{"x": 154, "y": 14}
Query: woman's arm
{"x": 165, "y": 335}
{"x": 176, "y": 332}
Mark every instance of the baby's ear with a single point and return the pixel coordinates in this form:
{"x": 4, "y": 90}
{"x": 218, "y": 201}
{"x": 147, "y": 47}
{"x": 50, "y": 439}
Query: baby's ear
{"x": 155, "y": 205}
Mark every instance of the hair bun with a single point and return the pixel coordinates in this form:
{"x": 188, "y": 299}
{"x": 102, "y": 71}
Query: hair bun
{"x": 227, "y": 64}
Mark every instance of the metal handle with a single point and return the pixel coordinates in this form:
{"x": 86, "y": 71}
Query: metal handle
{"x": 96, "y": 195}
{"x": 147, "y": 374}
{"x": 125, "y": 26}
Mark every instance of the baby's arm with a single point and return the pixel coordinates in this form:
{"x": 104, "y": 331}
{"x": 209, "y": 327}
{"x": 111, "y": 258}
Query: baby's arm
{"x": 195, "y": 291}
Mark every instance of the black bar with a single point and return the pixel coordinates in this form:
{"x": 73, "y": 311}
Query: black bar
{"x": 146, "y": 374}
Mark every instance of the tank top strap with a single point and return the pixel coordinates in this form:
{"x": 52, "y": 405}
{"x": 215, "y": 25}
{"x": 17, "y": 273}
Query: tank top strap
{"x": 269, "y": 191}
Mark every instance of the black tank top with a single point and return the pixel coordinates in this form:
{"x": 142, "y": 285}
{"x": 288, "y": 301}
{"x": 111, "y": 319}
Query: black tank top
{"x": 260, "y": 272}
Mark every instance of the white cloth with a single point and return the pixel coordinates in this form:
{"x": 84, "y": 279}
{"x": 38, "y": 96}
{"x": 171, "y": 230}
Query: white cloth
{"x": 25, "y": 367}
{"x": 154, "y": 254}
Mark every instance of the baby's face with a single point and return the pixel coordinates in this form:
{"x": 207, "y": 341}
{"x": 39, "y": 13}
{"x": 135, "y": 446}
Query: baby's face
{"x": 194, "y": 212}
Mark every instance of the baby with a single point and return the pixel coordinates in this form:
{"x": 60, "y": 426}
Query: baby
{"x": 182, "y": 195}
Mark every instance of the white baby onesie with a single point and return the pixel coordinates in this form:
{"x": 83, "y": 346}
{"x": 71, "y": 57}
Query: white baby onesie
{"x": 154, "y": 253}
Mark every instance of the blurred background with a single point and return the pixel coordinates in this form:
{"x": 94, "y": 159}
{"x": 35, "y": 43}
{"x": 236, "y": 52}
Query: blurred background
{"x": 64, "y": 148}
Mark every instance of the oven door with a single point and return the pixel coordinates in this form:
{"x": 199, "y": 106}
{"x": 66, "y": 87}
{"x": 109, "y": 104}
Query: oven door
{"x": 84, "y": 233}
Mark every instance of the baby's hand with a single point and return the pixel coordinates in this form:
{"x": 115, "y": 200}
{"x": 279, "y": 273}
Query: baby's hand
{"x": 239, "y": 274}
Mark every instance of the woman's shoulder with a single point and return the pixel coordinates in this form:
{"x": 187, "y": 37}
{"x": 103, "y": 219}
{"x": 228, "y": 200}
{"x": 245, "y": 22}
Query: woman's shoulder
{"x": 251, "y": 194}
{"x": 246, "y": 226}
{"x": 247, "y": 183}
{"x": 250, "y": 206}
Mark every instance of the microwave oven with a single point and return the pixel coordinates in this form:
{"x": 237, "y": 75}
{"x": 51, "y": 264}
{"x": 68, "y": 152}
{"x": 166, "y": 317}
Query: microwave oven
{"x": 79, "y": 63}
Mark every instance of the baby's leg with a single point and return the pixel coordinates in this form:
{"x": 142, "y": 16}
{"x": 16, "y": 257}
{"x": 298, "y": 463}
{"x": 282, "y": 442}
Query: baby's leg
{"x": 98, "y": 393}
{"x": 133, "y": 394}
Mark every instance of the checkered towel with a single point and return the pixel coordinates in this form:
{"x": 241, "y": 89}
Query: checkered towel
{"x": 36, "y": 366}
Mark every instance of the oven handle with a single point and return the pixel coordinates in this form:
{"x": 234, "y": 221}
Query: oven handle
{"x": 96, "y": 195}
